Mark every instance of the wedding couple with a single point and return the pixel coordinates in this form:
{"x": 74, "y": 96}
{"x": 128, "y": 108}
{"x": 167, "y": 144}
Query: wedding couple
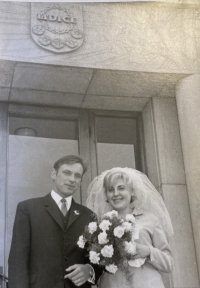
{"x": 44, "y": 251}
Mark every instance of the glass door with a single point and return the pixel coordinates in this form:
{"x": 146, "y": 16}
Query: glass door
{"x": 37, "y": 138}
{"x": 116, "y": 140}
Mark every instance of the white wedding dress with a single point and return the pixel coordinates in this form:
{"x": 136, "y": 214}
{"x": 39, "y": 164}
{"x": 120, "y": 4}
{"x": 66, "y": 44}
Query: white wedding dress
{"x": 144, "y": 277}
{"x": 147, "y": 275}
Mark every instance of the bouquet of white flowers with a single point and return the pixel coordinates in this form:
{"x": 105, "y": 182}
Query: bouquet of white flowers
{"x": 111, "y": 242}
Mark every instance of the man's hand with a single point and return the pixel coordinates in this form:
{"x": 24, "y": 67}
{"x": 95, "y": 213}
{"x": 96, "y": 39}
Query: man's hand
{"x": 79, "y": 275}
{"x": 142, "y": 251}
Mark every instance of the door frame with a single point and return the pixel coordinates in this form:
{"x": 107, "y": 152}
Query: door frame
{"x": 86, "y": 133}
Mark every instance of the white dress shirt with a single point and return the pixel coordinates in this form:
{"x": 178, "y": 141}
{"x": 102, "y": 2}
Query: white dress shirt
{"x": 57, "y": 198}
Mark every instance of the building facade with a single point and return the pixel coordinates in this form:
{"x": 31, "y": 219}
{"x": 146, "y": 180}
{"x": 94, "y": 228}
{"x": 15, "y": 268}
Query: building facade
{"x": 118, "y": 83}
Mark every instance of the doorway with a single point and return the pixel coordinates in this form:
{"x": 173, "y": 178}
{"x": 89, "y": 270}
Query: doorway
{"x": 39, "y": 136}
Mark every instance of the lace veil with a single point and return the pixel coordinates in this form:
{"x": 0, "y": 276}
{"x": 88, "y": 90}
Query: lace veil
{"x": 147, "y": 197}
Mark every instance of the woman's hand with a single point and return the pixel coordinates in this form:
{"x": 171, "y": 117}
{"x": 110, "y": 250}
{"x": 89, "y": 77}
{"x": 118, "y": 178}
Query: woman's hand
{"x": 142, "y": 251}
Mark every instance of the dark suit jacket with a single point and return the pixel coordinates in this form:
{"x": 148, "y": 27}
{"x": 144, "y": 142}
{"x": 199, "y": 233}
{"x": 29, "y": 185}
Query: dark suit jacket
{"x": 42, "y": 248}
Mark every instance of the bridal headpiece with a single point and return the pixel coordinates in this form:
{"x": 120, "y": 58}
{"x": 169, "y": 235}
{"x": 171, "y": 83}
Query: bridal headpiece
{"x": 148, "y": 199}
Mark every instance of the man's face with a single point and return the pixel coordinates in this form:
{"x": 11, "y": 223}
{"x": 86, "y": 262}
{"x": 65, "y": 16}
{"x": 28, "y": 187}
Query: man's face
{"x": 67, "y": 179}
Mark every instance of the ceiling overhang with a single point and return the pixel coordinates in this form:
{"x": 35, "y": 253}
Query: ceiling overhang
{"x": 59, "y": 86}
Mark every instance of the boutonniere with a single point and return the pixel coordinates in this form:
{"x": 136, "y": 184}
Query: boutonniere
{"x": 76, "y": 212}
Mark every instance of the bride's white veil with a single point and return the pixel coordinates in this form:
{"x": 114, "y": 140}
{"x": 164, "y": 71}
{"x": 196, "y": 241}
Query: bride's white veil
{"x": 147, "y": 197}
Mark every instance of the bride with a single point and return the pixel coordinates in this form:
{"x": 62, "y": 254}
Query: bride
{"x": 127, "y": 190}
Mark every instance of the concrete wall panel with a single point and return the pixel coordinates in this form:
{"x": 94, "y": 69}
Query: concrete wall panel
{"x": 154, "y": 37}
{"x": 42, "y": 77}
{"x": 188, "y": 105}
{"x": 150, "y": 145}
{"x": 4, "y": 94}
{"x": 45, "y": 97}
{"x": 185, "y": 272}
{"x": 168, "y": 141}
{"x": 6, "y": 73}
{"x": 166, "y": 169}
{"x": 117, "y": 103}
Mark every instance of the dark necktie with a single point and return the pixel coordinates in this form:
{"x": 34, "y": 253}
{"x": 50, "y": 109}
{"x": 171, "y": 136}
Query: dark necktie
{"x": 64, "y": 206}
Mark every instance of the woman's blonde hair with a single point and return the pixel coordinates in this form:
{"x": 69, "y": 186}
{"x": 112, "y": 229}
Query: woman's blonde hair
{"x": 111, "y": 179}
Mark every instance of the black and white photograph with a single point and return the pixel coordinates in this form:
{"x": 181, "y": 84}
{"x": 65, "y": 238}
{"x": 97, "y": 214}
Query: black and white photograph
{"x": 100, "y": 144}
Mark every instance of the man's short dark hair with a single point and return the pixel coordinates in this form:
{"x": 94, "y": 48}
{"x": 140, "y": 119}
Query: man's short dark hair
{"x": 69, "y": 159}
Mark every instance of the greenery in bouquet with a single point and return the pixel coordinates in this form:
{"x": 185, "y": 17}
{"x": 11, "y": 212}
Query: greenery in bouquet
{"x": 111, "y": 242}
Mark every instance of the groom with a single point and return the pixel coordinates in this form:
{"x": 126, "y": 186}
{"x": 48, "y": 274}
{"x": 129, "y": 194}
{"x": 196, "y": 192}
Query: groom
{"x": 46, "y": 229}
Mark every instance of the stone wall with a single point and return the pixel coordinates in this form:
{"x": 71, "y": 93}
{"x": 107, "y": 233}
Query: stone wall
{"x": 151, "y": 37}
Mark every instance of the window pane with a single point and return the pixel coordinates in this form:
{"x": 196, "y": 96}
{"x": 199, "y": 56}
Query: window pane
{"x": 115, "y": 142}
{"x": 30, "y": 160}
{"x": 116, "y": 130}
{"x": 47, "y": 128}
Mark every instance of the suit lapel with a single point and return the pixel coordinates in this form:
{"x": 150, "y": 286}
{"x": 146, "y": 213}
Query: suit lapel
{"x": 74, "y": 213}
{"x": 53, "y": 209}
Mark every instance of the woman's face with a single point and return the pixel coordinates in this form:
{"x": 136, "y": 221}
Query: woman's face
{"x": 119, "y": 197}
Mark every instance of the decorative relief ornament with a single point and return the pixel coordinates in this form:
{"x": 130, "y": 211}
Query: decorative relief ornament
{"x": 57, "y": 27}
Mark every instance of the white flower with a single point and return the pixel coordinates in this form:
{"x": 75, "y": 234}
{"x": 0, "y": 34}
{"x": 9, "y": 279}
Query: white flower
{"x": 130, "y": 247}
{"x": 92, "y": 227}
{"x": 107, "y": 251}
{"x": 94, "y": 257}
{"x": 76, "y": 212}
{"x": 119, "y": 231}
{"x": 130, "y": 218}
{"x": 112, "y": 214}
{"x": 102, "y": 237}
{"x": 112, "y": 268}
{"x": 137, "y": 262}
{"x": 81, "y": 241}
{"x": 127, "y": 226}
{"x": 104, "y": 225}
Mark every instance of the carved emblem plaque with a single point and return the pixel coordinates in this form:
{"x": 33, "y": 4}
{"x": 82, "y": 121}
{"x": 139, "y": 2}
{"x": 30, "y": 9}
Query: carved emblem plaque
{"x": 57, "y": 27}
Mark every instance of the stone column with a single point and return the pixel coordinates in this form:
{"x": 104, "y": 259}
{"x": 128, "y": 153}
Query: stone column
{"x": 188, "y": 105}
{"x": 165, "y": 169}
{"x": 3, "y": 161}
